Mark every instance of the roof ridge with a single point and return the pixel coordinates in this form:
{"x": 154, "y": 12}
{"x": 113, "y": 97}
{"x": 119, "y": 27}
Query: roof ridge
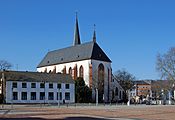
{"x": 72, "y": 46}
{"x": 88, "y": 50}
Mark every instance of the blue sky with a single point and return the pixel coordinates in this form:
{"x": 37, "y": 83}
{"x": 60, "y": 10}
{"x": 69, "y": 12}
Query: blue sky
{"x": 131, "y": 32}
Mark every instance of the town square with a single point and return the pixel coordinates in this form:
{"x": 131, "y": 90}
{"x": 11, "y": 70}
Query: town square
{"x": 93, "y": 59}
{"x": 88, "y": 112}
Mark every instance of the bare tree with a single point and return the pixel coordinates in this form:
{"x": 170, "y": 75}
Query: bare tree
{"x": 166, "y": 65}
{"x": 5, "y": 65}
{"x": 158, "y": 86}
{"x": 125, "y": 80}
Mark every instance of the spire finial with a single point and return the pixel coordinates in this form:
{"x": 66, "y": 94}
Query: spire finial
{"x": 76, "y": 14}
{"x": 94, "y": 35}
{"x": 94, "y": 27}
{"x": 76, "y": 34}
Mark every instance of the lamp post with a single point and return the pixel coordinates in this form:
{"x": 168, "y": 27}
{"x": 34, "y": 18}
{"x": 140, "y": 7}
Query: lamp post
{"x": 172, "y": 94}
{"x": 128, "y": 103}
{"x": 58, "y": 97}
{"x": 162, "y": 96}
{"x": 96, "y": 96}
{"x": 169, "y": 97}
{"x": 2, "y": 89}
{"x": 44, "y": 93}
{"x": 12, "y": 98}
{"x": 1, "y": 85}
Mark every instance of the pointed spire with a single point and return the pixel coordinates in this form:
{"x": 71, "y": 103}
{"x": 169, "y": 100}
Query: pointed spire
{"x": 76, "y": 33}
{"x": 94, "y": 35}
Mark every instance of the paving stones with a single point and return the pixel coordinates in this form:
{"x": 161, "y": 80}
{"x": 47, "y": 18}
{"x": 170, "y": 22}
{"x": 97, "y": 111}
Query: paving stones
{"x": 121, "y": 112}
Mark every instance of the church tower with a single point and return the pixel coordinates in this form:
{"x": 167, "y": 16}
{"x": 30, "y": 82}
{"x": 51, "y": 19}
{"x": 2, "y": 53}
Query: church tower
{"x": 86, "y": 60}
{"x": 94, "y": 35}
{"x": 76, "y": 33}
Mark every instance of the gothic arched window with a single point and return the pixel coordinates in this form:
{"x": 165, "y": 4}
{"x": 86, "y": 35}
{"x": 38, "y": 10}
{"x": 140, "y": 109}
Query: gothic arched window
{"x": 120, "y": 95}
{"x": 101, "y": 73}
{"x": 101, "y": 81}
{"x": 81, "y": 71}
{"x": 45, "y": 70}
{"x": 116, "y": 91}
{"x": 75, "y": 72}
{"x": 70, "y": 71}
{"x": 54, "y": 70}
{"x": 64, "y": 70}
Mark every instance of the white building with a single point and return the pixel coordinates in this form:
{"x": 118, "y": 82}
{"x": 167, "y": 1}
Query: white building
{"x": 35, "y": 87}
{"x": 85, "y": 60}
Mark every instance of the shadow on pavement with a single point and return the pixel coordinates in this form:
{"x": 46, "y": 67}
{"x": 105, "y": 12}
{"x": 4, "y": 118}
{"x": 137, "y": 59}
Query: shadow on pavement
{"x": 83, "y": 118}
{"x": 68, "y": 118}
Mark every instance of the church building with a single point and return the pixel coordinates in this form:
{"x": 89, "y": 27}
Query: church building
{"x": 86, "y": 60}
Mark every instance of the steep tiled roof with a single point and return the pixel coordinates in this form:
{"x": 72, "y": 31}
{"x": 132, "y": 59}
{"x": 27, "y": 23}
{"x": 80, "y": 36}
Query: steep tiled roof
{"x": 90, "y": 50}
{"x": 36, "y": 77}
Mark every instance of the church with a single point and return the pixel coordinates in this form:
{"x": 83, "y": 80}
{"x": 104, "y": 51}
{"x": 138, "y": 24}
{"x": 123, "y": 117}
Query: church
{"x": 86, "y": 60}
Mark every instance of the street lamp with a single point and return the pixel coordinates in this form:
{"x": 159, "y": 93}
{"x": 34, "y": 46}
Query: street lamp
{"x": 162, "y": 96}
{"x": 170, "y": 94}
{"x": 58, "y": 97}
{"x": 173, "y": 95}
{"x": 128, "y": 103}
{"x": 12, "y": 98}
{"x": 44, "y": 93}
{"x": 96, "y": 96}
{"x": 169, "y": 97}
{"x": 2, "y": 88}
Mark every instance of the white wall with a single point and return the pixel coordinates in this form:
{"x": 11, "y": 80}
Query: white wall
{"x": 85, "y": 64}
{"x": 60, "y": 67}
{"x": 107, "y": 65}
{"x": 19, "y": 89}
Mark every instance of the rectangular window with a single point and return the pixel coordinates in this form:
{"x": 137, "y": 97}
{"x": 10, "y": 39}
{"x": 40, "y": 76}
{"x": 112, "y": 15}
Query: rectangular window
{"x": 24, "y": 85}
{"x": 59, "y": 85}
{"x": 24, "y": 96}
{"x": 15, "y": 95}
{"x": 33, "y": 85}
{"x": 60, "y": 96}
{"x": 33, "y": 95}
{"x": 50, "y": 85}
{"x": 14, "y": 85}
{"x": 42, "y": 95}
{"x": 67, "y": 86}
{"x": 50, "y": 96}
{"x": 67, "y": 96}
{"x": 42, "y": 85}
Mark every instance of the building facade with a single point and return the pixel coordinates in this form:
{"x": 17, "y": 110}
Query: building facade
{"x": 141, "y": 90}
{"x": 34, "y": 87}
{"x": 85, "y": 60}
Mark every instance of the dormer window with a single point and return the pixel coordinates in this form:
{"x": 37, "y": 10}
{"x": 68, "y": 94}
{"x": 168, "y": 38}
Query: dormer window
{"x": 99, "y": 55}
